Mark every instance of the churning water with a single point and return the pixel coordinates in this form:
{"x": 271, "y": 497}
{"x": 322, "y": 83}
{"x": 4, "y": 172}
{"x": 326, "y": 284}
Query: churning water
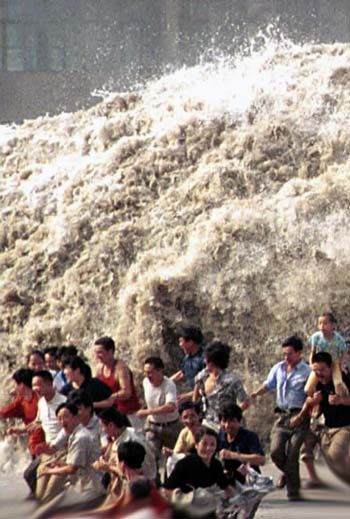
{"x": 218, "y": 193}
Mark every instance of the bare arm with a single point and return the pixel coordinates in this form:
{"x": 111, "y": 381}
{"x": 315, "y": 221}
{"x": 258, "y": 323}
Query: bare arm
{"x": 17, "y": 430}
{"x": 177, "y": 377}
{"x": 123, "y": 377}
{"x": 32, "y": 426}
{"x": 262, "y": 390}
{"x": 185, "y": 396}
{"x": 196, "y": 395}
{"x": 245, "y": 404}
{"x": 104, "y": 466}
{"x": 63, "y": 470}
{"x": 253, "y": 459}
{"x": 310, "y": 403}
{"x": 102, "y": 404}
{"x": 162, "y": 409}
{"x": 339, "y": 400}
{"x": 344, "y": 360}
{"x": 312, "y": 353}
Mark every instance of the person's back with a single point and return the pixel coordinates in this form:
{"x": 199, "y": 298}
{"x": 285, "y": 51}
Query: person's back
{"x": 149, "y": 465}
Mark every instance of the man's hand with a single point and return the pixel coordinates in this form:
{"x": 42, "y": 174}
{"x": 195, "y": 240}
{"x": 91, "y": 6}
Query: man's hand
{"x": 226, "y": 454}
{"x": 101, "y": 465}
{"x": 44, "y": 448}
{"x": 46, "y": 470}
{"x": 335, "y": 399}
{"x": 15, "y": 430}
{"x": 142, "y": 413}
{"x": 33, "y": 426}
{"x": 297, "y": 419}
{"x": 167, "y": 451}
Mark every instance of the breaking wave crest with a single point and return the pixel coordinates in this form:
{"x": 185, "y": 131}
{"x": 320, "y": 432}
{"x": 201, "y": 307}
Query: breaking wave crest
{"x": 218, "y": 193}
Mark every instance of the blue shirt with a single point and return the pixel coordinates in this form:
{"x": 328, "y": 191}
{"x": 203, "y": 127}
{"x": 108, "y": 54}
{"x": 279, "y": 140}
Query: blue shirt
{"x": 335, "y": 346}
{"x": 192, "y": 365}
{"x": 289, "y": 385}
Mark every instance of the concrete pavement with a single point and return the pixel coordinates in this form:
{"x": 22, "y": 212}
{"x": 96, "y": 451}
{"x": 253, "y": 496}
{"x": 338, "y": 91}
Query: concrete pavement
{"x": 330, "y": 503}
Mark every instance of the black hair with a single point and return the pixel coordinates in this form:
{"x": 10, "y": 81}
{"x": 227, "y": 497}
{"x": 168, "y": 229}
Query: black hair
{"x": 44, "y": 374}
{"x": 68, "y": 351}
{"x": 156, "y": 362}
{"x": 189, "y": 404}
{"x": 36, "y": 352}
{"x": 230, "y": 411}
{"x": 72, "y": 408}
{"x": 107, "y": 343}
{"x": 112, "y": 415}
{"x": 190, "y": 332}
{"x": 330, "y": 316}
{"x": 78, "y": 363}
{"x": 81, "y": 397}
{"x": 202, "y": 432}
{"x": 322, "y": 356}
{"x": 51, "y": 350}
{"x": 132, "y": 453}
{"x": 65, "y": 359}
{"x": 294, "y": 342}
{"x": 24, "y": 376}
{"x": 218, "y": 353}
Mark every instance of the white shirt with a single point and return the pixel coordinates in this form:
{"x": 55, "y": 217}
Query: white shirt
{"x": 156, "y": 396}
{"x": 93, "y": 427}
{"x": 47, "y": 416}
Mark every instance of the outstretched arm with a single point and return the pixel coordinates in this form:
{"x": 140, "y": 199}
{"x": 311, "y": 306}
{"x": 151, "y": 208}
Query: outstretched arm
{"x": 253, "y": 459}
{"x": 259, "y": 392}
{"x": 178, "y": 376}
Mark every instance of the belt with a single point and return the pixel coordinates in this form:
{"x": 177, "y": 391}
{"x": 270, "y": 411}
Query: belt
{"x": 292, "y": 410}
{"x": 162, "y": 424}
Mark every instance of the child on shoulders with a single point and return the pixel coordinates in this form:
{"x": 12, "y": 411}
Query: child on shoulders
{"x": 327, "y": 339}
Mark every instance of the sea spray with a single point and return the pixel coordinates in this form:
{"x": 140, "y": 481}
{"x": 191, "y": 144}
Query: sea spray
{"x": 13, "y": 456}
{"x": 218, "y": 193}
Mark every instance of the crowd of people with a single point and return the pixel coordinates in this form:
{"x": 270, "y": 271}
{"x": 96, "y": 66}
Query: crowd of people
{"x": 99, "y": 443}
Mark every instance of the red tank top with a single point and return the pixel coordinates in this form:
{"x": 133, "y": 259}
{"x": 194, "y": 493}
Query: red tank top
{"x": 129, "y": 405}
